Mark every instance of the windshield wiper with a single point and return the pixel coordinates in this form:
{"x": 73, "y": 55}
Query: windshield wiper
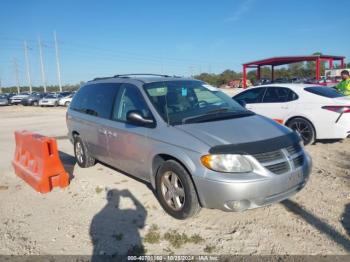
{"x": 215, "y": 111}
{"x": 216, "y": 114}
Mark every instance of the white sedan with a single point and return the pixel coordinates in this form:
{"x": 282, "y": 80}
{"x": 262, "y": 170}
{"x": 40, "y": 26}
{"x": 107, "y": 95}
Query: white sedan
{"x": 65, "y": 101}
{"x": 50, "y": 100}
{"x": 316, "y": 112}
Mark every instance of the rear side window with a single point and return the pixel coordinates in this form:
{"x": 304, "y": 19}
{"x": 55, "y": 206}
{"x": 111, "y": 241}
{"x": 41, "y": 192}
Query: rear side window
{"x": 279, "y": 95}
{"x": 96, "y": 99}
{"x": 323, "y": 91}
{"x": 254, "y": 95}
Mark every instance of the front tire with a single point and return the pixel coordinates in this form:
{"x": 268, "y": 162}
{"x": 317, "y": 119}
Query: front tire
{"x": 304, "y": 128}
{"x": 67, "y": 104}
{"x": 82, "y": 156}
{"x": 175, "y": 190}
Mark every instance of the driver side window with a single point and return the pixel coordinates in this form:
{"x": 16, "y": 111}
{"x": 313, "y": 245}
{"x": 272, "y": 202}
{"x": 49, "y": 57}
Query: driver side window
{"x": 129, "y": 99}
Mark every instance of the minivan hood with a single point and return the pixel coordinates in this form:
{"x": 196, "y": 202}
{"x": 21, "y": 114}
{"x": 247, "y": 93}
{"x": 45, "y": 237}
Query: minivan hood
{"x": 235, "y": 131}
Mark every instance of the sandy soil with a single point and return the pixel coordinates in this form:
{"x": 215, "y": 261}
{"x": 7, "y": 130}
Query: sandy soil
{"x": 83, "y": 220}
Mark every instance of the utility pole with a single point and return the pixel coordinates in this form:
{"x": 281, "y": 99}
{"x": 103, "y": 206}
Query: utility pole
{"x": 43, "y": 78}
{"x": 15, "y": 65}
{"x": 27, "y": 66}
{"x": 58, "y": 62}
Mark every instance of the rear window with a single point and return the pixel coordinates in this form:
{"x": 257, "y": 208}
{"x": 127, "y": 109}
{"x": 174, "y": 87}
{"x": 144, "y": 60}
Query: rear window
{"x": 324, "y": 91}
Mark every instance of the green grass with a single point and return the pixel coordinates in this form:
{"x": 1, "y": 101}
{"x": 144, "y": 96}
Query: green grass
{"x": 153, "y": 235}
{"x": 177, "y": 239}
{"x": 98, "y": 189}
{"x": 209, "y": 249}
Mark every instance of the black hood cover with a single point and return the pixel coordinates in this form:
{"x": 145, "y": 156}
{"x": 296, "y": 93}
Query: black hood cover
{"x": 258, "y": 147}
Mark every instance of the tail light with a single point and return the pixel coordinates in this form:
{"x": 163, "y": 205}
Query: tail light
{"x": 338, "y": 109}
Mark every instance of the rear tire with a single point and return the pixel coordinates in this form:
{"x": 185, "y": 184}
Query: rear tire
{"x": 304, "y": 128}
{"x": 82, "y": 156}
{"x": 175, "y": 190}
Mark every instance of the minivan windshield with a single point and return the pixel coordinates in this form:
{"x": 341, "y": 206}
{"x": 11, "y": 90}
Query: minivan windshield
{"x": 192, "y": 101}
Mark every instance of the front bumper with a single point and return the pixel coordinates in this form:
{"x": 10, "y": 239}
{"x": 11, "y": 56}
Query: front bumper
{"x": 16, "y": 102}
{"x": 49, "y": 103}
{"x": 248, "y": 194}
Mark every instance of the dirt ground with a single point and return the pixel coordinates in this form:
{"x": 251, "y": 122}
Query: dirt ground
{"x": 106, "y": 212}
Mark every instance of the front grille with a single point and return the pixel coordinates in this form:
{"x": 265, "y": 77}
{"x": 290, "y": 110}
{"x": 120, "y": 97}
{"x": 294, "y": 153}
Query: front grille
{"x": 298, "y": 161}
{"x": 278, "y": 162}
{"x": 279, "y": 168}
{"x": 293, "y": 149}
{"x": 269, "y": 156}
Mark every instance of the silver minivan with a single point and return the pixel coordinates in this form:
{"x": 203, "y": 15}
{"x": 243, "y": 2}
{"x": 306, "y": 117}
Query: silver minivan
{"x": 195, "y": 145}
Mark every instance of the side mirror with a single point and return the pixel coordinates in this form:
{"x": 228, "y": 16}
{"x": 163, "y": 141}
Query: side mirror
{"x": 135, "y": 117}
{"x": 242, "y": 103}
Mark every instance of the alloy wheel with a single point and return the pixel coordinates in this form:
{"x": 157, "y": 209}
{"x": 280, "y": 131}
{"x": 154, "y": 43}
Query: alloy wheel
{"x": 304, "y": 130}
{"x": 172, "y": 190}
{"x": 79, "y": 152}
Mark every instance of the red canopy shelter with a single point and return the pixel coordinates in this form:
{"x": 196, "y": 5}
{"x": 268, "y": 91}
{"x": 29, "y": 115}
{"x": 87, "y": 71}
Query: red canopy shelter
{"x": 284, "y": 60}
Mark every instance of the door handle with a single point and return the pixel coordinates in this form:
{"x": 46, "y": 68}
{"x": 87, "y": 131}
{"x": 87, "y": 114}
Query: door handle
{"x": 110, "y": 133}
{"x": 102, "y": 131}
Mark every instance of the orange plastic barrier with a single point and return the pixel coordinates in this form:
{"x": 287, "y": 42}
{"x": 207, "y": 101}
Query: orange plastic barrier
{"x": 37, "y": 162}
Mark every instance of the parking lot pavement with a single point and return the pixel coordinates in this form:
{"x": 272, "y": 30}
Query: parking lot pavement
{"x": 104, "y": 211}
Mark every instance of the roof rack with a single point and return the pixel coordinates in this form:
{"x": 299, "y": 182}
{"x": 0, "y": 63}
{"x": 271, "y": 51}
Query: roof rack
{"x": 101, "y": 78}
{"x": 128, "y": 75}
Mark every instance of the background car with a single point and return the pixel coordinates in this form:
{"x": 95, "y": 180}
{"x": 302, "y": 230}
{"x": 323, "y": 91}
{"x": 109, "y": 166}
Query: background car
{"x": 50, "y": 100}
{"x": 4, "y": 100}
{"x": 65, "y": 93}
{"x": 17, "y": 99}
{"x": 65, "y": 101}
{"x": 33, "y": 99}
{"x": 315, "y": 112}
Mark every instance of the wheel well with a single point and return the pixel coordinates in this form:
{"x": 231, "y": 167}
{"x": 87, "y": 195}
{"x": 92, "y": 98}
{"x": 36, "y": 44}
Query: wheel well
{"x": 294, "y": 117}
{"x": 158, "y": 160}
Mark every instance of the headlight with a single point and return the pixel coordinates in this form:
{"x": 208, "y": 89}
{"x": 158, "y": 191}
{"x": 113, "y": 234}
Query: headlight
{"x": 227, "y": 163}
